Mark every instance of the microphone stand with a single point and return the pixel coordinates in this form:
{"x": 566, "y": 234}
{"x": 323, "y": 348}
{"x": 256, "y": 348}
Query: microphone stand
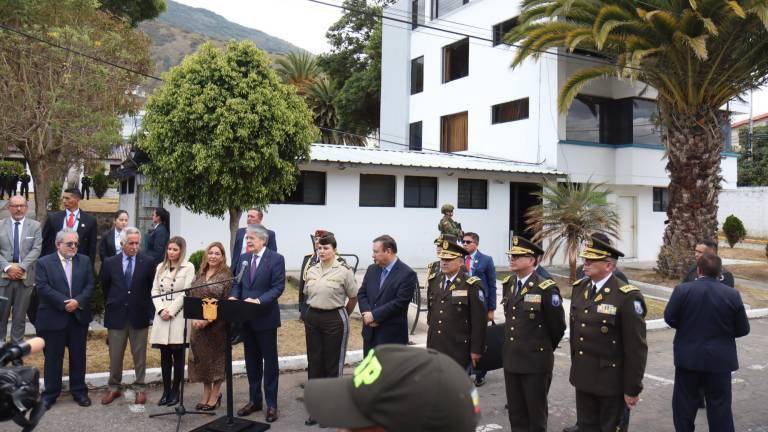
{"x": 180, "y": 411}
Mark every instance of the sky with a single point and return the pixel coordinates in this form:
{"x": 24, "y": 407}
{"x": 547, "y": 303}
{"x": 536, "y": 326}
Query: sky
{"x": 300, "y": 22}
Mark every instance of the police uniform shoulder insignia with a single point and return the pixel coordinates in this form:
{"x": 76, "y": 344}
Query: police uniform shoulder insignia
{"x": 431, "y": 275}
{"x": 345, "y": 265}
{"x": 481, "y": 296}
{"x": 579, "y": 281}
{"x": 556, "y": 300}
{"x": 472, "y": 280}
{"x": 626, "y": 289}
{"x": 639, "y": 308}
{"x": 546, "y": 284}
{"x": 506, "y": 279}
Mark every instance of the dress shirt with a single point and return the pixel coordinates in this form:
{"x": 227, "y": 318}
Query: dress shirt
{"x": 21, "y": 229}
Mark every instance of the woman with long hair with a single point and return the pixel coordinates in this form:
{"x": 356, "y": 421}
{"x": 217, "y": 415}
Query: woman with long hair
{"x": 157, "y": 238}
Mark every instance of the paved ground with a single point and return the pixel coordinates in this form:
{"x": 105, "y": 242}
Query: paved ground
{"x": 653, "y": 414}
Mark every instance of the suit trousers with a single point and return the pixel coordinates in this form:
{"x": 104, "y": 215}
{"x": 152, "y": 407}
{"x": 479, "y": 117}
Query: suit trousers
{"x": 18, "y": 296}
{"x": 326, "y": 332}
{"x": 717, "y": 393}
{"x": 117, "y": 339}
{"x": 598, "y": 413}
{"x": 73, "y": 338}
{"x": 261, "y": 362}
{"x": 527, "y": 401}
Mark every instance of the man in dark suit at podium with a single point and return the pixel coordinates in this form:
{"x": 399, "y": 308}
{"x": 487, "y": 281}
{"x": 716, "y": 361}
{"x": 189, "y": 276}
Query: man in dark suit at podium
{"x": 262, "y": 283}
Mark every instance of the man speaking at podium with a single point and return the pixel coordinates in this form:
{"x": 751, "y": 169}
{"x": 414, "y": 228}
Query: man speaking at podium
{"x": 262, "y": 282}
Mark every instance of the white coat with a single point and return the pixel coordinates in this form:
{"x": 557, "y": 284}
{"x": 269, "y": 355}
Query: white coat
{"x": 171, "y": 331}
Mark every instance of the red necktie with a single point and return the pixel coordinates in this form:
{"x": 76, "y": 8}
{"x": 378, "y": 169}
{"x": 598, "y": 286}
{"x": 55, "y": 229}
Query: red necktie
{"x": 468, "y": 262}
{"x": 71, "y": 220}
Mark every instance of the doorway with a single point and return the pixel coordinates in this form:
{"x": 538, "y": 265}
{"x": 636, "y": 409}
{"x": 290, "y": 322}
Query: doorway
{"x": 627, "y": 209}
{"x": 521, "y": 198}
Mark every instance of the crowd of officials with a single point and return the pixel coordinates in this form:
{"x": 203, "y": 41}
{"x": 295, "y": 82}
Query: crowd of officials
{"x": 145, "y": 278}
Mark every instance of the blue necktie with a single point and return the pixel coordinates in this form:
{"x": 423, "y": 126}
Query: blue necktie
{"x": 384, "y": 274}
{"x": 129, "y": 273}
{"x": 16, "y": 242}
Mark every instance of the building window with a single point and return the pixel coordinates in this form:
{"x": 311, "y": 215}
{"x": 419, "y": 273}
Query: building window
{"x": 417, "y": 12}
{"x": 128, "y": 185}
{"x": 453, "y": 132}
{"x": 582, "y": 123}
{"x": 414, "y": 136}
{"x": 442, "y": 7}
{"x": 660, "y": 199}
{"x": 613, "y": 121}
{"x": 473, "y": 194}
{"x": 421, "y": 192}
{"x": 456, "y": 60}
{"x": 310, "y": 189}
{"x": 377, "y": 190}
{"x": 502, "y": 28}
{"x": 510, "y": 111}
{"x": 417, "y": 75}
{"x": 644, "y": 122}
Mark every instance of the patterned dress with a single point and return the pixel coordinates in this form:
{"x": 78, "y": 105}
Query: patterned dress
{"x": 206, "y": 358}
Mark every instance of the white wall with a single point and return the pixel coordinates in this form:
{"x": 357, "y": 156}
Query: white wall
{"x": 750, "y": 204}
{"x": 395, "y": 77}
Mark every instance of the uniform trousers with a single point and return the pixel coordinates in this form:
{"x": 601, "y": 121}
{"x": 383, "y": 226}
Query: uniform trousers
{"x": 73, "y": 338}
{"x": 527, "y": 400}
{"x": 599, "y": 413}
{"x": 18, "y": 296}
{"x": 717, "y": 393}
{"x": 117, "y": 339}
{"x": 327, "y": 332}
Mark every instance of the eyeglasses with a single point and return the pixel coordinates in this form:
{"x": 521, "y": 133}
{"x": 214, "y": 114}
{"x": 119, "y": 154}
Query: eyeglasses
{"x": 467, "y": 241}
{"x": 17, "y": 205}
{"x": 71, "y": 244}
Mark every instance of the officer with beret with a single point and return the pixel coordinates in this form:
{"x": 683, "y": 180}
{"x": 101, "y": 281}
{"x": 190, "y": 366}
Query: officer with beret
{"x": 447, "y": 225}
{"x": 456, "y": 309}
{"x": 534, "y": 327}
{"x": 608, "y": 346}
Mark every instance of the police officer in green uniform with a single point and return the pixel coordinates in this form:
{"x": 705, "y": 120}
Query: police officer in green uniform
{"x": 535, "y": 324}
{"x": 456, "y": 309}
{"x": 608, "y": 346}
{"x": 447, "y": 225}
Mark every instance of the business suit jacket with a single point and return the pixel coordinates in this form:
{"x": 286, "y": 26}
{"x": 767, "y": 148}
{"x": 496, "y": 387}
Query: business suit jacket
{"x": 157, "y": 241}
{"x": 86, "y": 230}
{"x": 388, "y": 304}
{"x": 726, "y": 277}
{"x": 30, "y": 245}
{"x": 240, "y": 238}
{"x": 482, "y": 267}
{"x": 128, "y": 305}
{"x": 53, "y": 290}
{"x": 107, "y": 246}
{"x": 267, "y": 285}
{"x": 708, "y": 316}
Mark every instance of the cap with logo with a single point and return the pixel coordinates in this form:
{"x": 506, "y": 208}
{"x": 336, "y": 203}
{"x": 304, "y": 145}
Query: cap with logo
{"x": 449, "y": 237}
{"x": 452, "y": 250}
{"x": 523, "y": 246}
{"x": 598, "y": 247}
{"x": 399, "y": 388}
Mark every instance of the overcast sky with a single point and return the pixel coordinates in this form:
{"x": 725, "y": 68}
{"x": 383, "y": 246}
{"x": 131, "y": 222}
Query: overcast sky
{"x": 299, "y": 22}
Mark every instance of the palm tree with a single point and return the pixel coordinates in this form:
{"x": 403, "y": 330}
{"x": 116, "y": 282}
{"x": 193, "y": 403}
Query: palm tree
{"x": 698, "y": 55}
{"x": 321, "y": 95}
{"x": 298, "y": 69}
{"x": 568, "y": 214}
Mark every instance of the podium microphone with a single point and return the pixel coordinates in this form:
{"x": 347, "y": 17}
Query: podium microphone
{"x": 243, "y": 265}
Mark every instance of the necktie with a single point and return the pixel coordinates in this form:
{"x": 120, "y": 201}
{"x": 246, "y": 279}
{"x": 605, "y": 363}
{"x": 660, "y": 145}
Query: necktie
{"x": 71, "y": 220}
{"x": 447, "y": 284}
{"x": 129, "y": 273}
{"x": 384, "y": 274}
{"x": 254, "y": 264}
{"x": 592, "y": 290}
{"x": 468, "y": 263}
{"x": 68, "y": 272}
{"x": 519, "y": 287}
{"x": 16, "y": 242}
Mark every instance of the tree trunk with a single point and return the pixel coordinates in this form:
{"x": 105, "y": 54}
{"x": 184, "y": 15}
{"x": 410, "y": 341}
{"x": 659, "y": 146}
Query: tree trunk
{"x": 41, "y": 175}
{"x": 234, "y": 223}
{"x": 694, "y": 144}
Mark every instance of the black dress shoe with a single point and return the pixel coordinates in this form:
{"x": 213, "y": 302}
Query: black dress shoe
{"x": 310, "y": 422}
{"x": 574, "y": 428}
{"x": 83, "y": 401}
{"x": 163, "y": 399}
{"x": 248, "y": 409}
{"x": 47, "y": 404}
{"x": 480, "y": 382}
{"x": 271, "y": 416}
{"x": 173, "y": 399}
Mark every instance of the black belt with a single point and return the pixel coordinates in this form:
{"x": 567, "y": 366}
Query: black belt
{"x": 325, "y": 310}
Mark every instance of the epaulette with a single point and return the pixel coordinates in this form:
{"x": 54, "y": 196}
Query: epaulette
{"x": 626, "y": 289}
{"x": 579, "y": 281}
{"x": 506, "y": 279}
{"x": 546, "y": 284}
{"x": 472, "y": 280}
{"x": 344, "y": 264}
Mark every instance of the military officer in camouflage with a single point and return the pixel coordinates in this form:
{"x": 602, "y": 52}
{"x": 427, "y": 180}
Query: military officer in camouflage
{"x": 456, "y": 309}
{"x": 534, "y": 327}
{"x": 608, "y": 346}
{"x": 447, "y": 225}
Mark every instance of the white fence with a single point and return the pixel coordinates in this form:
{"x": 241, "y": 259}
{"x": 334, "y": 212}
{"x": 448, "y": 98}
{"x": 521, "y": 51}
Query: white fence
{"x": 750, "y": 204}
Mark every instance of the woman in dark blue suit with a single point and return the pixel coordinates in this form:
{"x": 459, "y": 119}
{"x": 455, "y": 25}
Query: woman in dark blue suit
{"x": 157, "y": 238}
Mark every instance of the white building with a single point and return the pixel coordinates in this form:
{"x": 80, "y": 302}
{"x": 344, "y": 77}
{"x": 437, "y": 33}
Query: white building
{"x": 445, "y": 91}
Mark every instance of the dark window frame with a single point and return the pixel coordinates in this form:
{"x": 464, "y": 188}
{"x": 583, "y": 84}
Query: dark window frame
{"x": 415, "y": 136}
{"x": 298, "y": 196}
{"x": 420, "y": 184}
{"x": 478, "y": 194}
{"x": 375, "y": 198}
{"x": 660, "y": 199}
{"x": 520, "y": 107}
{"x": 449, "y": 52}
{"x": 436, "y": 8}
{"x": 502, "y": 28}
{"x": 417, "y": 75}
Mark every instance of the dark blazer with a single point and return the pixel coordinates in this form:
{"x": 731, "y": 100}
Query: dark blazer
{"x": 708, "y": 316}
{"x": 482, "y": 267}
{"x": 726, "y": 277}
{"x": 53, "y": 290}
{"x": 389, "y": 305}
{"x": 107, "y": 246}
{"x": 267, "y": 285}
{"x": 240, "y": 237}
{"x": 86, "y": 230}
{"x": 128, "y": 305}
{"x": 157, "y": 241}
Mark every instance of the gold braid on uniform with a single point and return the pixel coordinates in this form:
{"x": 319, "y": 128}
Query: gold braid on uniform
{"x": 546, "y": 284}
{"x": 626, "y": 289}
{"x": 580, "y": 281}
{"x": 472, "y": 280}
{"x": 506, "y": 279}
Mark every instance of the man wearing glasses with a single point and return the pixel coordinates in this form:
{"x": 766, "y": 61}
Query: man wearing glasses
{"x": 481, "y": 265}
{"x": 64, "y": 281}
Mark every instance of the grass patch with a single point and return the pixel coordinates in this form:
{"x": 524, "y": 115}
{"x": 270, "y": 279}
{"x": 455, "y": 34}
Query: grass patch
{"x": 742, "y": 253}
{"x": 649, "y": 276}
{"x": 291, "y": 293}
{"x": 755, "y": 272}
{"x": 655, "y": 308}
{"x": 754, "y": 297}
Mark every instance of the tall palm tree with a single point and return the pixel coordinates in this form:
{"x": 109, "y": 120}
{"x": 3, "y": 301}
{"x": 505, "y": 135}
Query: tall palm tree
{"x": 698, "y": 55}
{"x": 298, "y": 69}
{"x": 568, "y": 214}
{"x": 321, "y": 95}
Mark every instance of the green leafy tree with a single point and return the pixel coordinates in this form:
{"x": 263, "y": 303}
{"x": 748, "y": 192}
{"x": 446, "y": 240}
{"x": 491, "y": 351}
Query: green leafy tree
{"x": 100, "y": 184}
{"x": 568, "y": 214}
{"x": 58, "y": 108}
{"x": 753, "y": 158}
{"x": 134, "y": 11}
{"x": 224, "y": 133}
{"x": 734, "y": 230}
{"x": 698, "y": 55}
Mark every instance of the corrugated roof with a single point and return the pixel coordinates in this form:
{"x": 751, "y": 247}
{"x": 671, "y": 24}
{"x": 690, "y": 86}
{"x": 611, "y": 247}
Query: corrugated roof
{"x": 757, "y": 118}
{"x": 422, "y": 159}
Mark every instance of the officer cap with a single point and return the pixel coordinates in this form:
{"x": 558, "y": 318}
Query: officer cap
{"x": 450, "y": 237}
{"x": 446, "y": 208}
{"x": 522, "y": 246}
{"x": 598, "y": 247}
{"x": 452, "y": 250}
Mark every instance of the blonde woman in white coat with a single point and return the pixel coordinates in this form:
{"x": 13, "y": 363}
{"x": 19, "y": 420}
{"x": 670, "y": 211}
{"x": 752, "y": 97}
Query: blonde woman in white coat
{"x": 173, "y": 274}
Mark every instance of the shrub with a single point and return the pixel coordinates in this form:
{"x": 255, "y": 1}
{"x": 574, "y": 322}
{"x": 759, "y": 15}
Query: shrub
{"x": 54, "y": 196}
{"x": 196, "y": 259}
{"x": 734, "y": 230}
{"x": 100, "y": 184}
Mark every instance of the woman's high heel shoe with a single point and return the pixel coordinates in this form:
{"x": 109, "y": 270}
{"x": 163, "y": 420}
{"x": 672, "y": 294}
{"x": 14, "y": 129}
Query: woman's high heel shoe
{"x": 212, "y": 407}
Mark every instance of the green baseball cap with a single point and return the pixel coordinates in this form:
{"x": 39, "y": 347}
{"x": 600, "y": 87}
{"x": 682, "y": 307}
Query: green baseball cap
{"x": 399, "y": 388}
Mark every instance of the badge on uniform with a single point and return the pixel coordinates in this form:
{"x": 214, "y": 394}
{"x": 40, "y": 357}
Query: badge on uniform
{"x": 639, "y": 308}
{"x": 607, "y": 309}
{"x": 532, "y": 298}
{"x": 556, "y": 301}
{"x": 459, "y": 293}
{"x": 481, "y": 296}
